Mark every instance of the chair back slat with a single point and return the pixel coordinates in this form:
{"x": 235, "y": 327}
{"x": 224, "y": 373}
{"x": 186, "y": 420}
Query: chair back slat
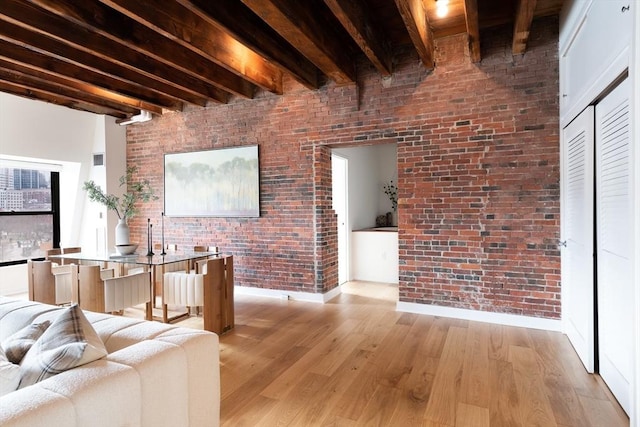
{"x": 101, "y": 292}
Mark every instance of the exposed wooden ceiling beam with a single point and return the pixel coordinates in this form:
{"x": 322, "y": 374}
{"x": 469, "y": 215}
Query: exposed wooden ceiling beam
{"x": 192, "y": 32}
{"x": 355, "y": 18}
{"x": 40, "y": 22}
{"x": 82, "y": 77}
{"x": 309, "y": 29}
{"x": 18, "y": 75}
{"x": 522, "y": 26}
{"x": 54, "y": 98}
{"x": 244, "y": 25}
{"x": 44, "y": 80}
{"x": 166, "y": 93}
{"x": 163, "y": 54}
{"x": 416, "y": 20}
{"x": 124, "y": 34}
{"x": 473, "y": 29}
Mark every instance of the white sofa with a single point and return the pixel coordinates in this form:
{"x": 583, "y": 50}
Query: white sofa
{"x": 154, "y": 375}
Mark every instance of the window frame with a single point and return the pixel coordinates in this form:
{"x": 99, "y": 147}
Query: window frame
{"x": 54, "y": 212}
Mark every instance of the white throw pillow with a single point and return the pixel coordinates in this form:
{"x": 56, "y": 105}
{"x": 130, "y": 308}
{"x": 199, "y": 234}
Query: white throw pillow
{"x": 18, "y": 344}
{"x": 70, "y": 341}
{"x": 9, "y": 375}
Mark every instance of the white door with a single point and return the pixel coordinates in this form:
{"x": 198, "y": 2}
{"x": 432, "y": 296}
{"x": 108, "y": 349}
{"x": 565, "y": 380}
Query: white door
{"x": 577, "y": 221}
{"x": 614, "y": 226}
{"x": 339, "y": 175}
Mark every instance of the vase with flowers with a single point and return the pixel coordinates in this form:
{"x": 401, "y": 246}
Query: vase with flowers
{"x": 123, "y": 206}
{"x": 391, "y": 190}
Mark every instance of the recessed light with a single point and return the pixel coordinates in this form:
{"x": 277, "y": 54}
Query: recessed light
{"x": 442, "y": 8}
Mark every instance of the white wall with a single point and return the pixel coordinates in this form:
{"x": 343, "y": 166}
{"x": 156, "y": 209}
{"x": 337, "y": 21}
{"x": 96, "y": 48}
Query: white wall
{"x": 387, "y": 170}
{"x": 40, "y": 131}
{"x": 99, "y": 224}
{"x": 370, "y": 167}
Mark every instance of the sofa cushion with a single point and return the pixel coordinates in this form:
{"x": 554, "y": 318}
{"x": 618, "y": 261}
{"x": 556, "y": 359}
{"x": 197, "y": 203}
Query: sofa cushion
{"x": 203, "y": 352}
{"x": 135, "y": 333}
{"x": 9, "y": 375}
{"x": 103, "y": 393}
{"x": 36, "y": 407}
{"x": 70, "y": 341}
{"x": 149, "y": 359}
{"x": 18, "y": 344}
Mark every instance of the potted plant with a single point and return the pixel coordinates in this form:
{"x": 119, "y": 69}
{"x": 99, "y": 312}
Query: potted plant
{"x": 391, "y": 190}
{"x": 123, "y": 206}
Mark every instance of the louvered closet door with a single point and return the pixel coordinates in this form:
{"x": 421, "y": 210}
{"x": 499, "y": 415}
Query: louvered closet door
{"x": 577, "y": 235}
{"x": 614, "y": 233}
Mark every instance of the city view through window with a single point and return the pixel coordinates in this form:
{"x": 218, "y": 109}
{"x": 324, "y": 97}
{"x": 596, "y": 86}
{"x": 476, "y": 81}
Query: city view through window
{"x": 26, "y": 213}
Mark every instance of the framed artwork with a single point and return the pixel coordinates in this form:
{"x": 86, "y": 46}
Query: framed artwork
{"x": 222, "y": 182}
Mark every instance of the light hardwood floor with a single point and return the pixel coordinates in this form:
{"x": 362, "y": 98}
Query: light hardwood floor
{"x": 355, "y": 361}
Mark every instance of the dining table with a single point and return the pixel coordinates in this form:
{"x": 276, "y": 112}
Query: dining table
{"x": 155, "y": 263}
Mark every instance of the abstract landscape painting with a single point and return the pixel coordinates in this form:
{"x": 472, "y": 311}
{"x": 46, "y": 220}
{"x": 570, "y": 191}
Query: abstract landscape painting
{"x": 222, "y": 182}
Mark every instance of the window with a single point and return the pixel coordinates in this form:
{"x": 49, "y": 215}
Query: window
{"x": 29, "y": 214}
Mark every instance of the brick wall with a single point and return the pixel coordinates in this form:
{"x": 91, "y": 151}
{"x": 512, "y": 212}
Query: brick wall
{"x": 478, "y": 175}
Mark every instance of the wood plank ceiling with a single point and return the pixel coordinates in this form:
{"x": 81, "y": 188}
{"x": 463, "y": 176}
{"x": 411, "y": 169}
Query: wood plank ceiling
{"x": 118, "y": 57}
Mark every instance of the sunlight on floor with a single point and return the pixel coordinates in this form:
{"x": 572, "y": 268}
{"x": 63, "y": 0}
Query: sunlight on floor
{"x": 381, "y": 291}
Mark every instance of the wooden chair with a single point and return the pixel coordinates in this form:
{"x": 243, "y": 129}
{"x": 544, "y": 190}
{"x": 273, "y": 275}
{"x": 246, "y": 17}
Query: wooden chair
{"x": 72, "y": 250}
{"x": 51, "y": 284}
{"x": 54, "y": 251}
{"x": 201, "y": 248}
{"x": 169, "y": 247}
{"x": 164, "y": 268}
{"x": 200, "y": 264}
{"x": 213, "y": 291}
{"x": 101, "y": 292}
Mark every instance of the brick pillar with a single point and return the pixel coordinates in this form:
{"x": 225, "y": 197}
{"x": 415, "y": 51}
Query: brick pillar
{"x": 325, "y": 222}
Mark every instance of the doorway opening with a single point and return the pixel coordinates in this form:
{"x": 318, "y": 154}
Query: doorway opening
{"x": 359, "y": 176}
{"x": 340, "y": 198}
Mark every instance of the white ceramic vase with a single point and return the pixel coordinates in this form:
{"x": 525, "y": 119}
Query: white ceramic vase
{"x": 394, "y": 218}
{"x": 122, "y": 232}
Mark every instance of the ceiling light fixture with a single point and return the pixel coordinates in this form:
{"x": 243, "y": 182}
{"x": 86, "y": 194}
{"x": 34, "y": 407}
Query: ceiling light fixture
{"x": 442, "y": 8}
{"x": 144, "y": 116}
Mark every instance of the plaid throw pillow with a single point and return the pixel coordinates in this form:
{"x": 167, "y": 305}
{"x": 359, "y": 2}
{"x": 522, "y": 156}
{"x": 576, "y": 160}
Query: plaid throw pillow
{"x": 18, "y": 344}
{"x": 70, "y": 341}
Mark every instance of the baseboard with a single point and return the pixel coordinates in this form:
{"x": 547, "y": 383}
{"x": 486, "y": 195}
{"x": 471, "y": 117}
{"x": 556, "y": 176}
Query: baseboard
{"x": 432, "y": 310}
{"x": 481, "y": 316}
{"x": 286, "y": 295}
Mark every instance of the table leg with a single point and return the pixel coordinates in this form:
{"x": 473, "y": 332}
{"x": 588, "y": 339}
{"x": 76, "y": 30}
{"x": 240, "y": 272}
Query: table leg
{"x": 151, "y": 304}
